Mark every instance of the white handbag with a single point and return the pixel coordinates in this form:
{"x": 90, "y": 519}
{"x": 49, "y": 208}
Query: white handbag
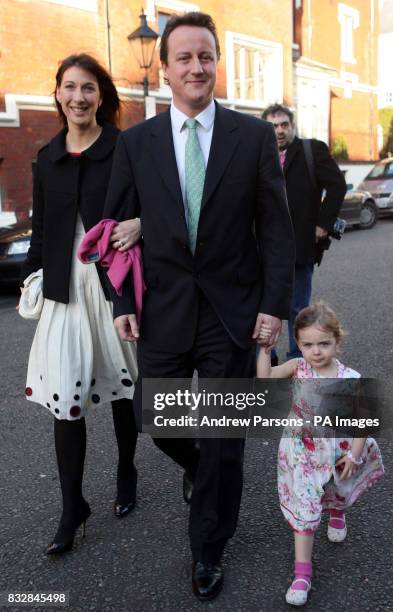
{"x": 32, "y": 299}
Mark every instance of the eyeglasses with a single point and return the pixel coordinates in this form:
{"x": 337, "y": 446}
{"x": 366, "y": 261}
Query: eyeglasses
{"x": 283, "y": 124}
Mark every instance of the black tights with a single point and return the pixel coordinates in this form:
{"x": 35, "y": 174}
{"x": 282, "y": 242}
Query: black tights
{"x": 126, "y": 436}
{"x": 70, "y": 443}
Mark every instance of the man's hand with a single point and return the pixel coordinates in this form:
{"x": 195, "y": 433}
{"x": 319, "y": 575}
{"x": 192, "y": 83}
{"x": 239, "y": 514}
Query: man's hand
{"x": 125, "y": 234}
{"x": 127, "y": 327}
{"x": 320, "y": 233}
{"x": 267, "y": 321}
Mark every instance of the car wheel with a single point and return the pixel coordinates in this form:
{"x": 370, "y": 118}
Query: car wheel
{"x": 368, "y": 215}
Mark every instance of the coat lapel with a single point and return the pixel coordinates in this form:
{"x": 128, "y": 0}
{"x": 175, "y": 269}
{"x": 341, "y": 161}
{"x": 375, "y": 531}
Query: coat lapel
{"x": 224, "y": 142}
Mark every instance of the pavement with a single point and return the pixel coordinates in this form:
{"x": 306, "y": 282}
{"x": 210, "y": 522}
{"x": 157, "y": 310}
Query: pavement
{"x": 142, "y": 563}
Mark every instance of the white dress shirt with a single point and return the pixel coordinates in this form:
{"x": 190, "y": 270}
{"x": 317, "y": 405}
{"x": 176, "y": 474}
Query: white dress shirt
{"x": 180, "y": 132}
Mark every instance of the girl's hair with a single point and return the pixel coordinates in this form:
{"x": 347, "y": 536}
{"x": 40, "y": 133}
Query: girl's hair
{"x": 109, "y": 110}
{"x": 321, "y": 314}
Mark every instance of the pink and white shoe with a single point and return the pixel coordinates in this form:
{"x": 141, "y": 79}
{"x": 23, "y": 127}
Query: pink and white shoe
{"x": 298, "y": 592}
{"x": 337, "y": 529}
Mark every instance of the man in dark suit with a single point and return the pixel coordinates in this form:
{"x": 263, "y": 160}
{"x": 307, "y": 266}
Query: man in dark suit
{"x": 218, "y": 261}
{"x": 312, "y": 217}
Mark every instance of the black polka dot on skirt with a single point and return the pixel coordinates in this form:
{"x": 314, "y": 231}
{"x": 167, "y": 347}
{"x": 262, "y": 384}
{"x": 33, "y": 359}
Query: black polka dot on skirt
{"x": 78, "y": 383}
{"x": 75, "y": 411}
{"x": 95, "y": 398}
{"x": 114, "y": 392}
{"x": 57, "y": 410}
{"x": 76, "y": 397}
{"x": 48, "y": 404}
{"x": 55, "y": 397}
{"x": 126, "y": 382}
{"x": 124, "y": 370}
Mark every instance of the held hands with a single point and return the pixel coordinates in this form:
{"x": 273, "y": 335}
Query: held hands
{"x": 267, "y": 330}
{"x": 264, "y": 336}
{"x": 127, "y": 327}
{"x": 126, "y": 234}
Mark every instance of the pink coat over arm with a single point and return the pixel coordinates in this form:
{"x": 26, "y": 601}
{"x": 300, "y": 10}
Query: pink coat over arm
{"x": 96, "y": 246}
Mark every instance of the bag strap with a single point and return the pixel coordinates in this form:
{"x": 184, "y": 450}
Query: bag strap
{"x": 308, "y": 154}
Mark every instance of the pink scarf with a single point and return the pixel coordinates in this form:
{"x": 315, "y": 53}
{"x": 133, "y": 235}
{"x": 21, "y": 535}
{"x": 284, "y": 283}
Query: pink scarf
{"x": 96, "y": 246}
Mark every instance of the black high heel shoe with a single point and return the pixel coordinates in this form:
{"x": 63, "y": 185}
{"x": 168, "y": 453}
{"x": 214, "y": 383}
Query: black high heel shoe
{"x": 64, "y": 539}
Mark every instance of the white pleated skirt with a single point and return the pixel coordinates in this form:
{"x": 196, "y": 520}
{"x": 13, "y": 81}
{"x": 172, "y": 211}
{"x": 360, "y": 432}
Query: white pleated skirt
{"x": 77, "y": 360}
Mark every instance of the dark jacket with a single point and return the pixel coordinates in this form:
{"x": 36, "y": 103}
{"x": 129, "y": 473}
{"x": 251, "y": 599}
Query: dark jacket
{"x": 240, "y": 273}
{"x": 63, "y": 185}
{"x": 304, "y": 201}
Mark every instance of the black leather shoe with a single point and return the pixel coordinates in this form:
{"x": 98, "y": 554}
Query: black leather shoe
{"x": 207, "y": 580}
{"x": 188, "y": 487}
{"x": 121, "y": 510}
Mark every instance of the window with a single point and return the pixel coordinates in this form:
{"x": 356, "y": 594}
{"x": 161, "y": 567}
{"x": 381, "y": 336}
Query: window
{"x": 348, "y": 19}
{"x": 254, "y": 69}
{"x": 162, "y": 20}
{"x": 249, "y": 73}
{"x": 172, "y": 6}
{"x": 389, "y": 169}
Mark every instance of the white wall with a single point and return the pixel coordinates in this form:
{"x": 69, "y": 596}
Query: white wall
{"x": 356, "y": 172}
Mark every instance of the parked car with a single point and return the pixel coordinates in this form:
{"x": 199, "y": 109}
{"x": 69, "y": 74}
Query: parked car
{"x": 359, "y": 209}
{"x": 14, "y": 244}
{"x": 379, "y": 182}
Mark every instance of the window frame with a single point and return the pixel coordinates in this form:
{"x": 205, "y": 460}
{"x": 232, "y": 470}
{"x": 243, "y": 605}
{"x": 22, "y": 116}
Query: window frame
{"x": 349, "y": 20}
{"x": 274, "y": 79}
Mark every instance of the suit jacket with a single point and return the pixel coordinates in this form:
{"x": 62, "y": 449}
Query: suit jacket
{"x": 244, "y": 255}
{"x": 63, "y": 185}
{"x": 304, "y": 201}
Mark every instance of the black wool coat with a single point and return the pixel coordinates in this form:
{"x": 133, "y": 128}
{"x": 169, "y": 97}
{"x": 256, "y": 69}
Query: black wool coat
{"x": 305, "y": 202}
{"x": 64, "y": 185}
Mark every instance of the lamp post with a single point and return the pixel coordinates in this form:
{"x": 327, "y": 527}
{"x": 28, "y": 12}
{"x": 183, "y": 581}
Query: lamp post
{"x": 143, "y": 43}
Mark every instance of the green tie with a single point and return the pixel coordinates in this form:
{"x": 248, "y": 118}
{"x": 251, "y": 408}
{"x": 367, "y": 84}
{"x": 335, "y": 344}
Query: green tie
{"x": 195, "y": 179}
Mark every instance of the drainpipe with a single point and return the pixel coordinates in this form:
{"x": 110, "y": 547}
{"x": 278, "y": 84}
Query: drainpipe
{"x": 371, "y": 78}
{"x": 108, "y": 35}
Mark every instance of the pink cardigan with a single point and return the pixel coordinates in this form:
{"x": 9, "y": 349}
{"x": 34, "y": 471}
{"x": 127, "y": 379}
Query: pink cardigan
{"x": 96, "y": 246}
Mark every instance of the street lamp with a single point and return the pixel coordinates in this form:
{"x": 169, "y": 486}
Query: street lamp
{"x": 143, "y": 43}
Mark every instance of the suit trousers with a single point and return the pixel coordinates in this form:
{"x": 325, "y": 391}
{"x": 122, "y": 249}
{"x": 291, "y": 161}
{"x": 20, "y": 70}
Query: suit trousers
{"x": 217, "y": 466}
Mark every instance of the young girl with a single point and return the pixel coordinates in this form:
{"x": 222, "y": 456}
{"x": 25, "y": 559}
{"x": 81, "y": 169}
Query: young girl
{"x": 316, "y": 474}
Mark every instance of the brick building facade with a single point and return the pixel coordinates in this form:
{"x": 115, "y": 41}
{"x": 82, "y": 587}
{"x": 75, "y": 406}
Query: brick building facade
{"x": 255, "y": 68}
{"x": 336, "y": 73}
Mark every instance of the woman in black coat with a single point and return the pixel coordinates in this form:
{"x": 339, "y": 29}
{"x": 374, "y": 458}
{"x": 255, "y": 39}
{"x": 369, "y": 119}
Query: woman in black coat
{"x": 77, "y": 361}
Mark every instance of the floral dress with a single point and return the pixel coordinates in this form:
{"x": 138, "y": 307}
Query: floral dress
{"x": 308, "y": 481}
